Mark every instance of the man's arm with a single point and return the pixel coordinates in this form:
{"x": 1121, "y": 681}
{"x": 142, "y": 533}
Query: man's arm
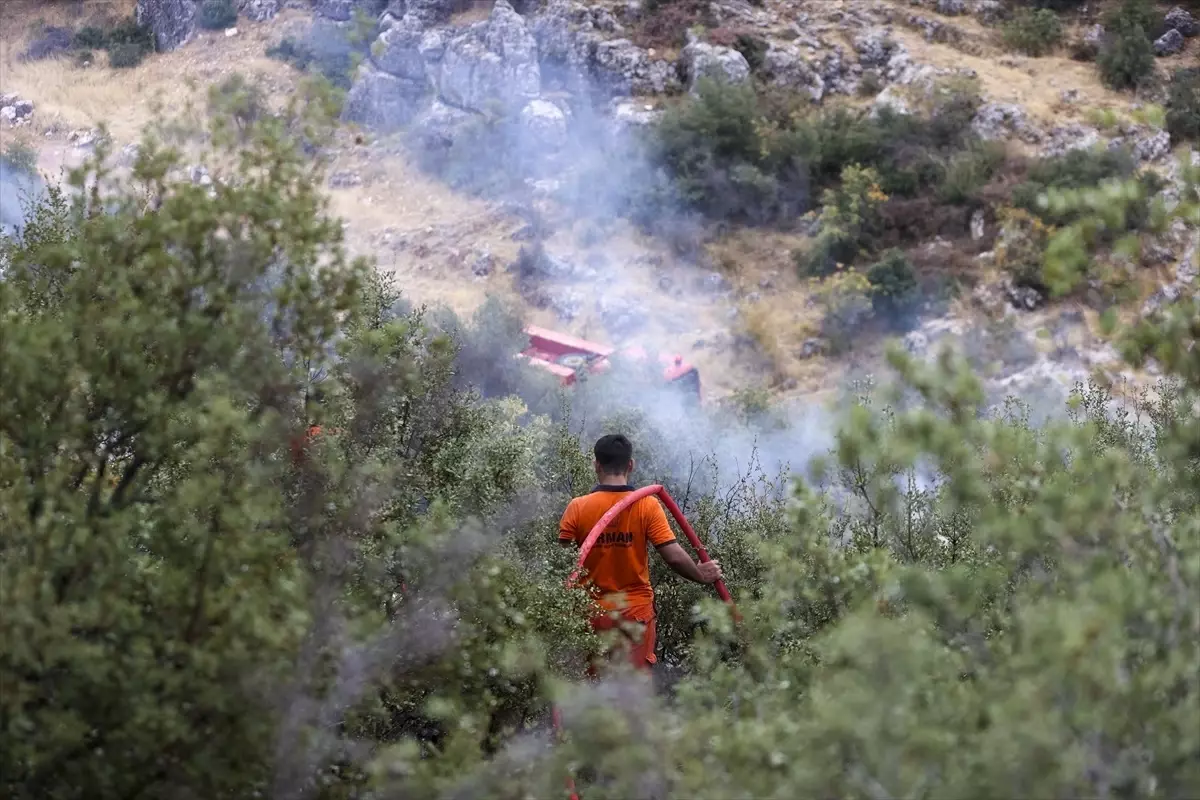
{"x": 568, "y": 528}
{"x": 658, "y": 531}
{"x": 681, "y": 564}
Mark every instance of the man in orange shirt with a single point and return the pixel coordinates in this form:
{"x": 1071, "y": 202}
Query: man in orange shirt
{"x": 618, "y": 567}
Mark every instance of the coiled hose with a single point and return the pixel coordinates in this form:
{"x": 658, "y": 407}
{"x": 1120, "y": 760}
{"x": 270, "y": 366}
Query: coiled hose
{"x": 594, "y": 534}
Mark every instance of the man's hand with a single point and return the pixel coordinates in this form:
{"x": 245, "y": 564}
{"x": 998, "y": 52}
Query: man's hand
{"x": 681, "y": 563}
{"x": 710, "y": 571}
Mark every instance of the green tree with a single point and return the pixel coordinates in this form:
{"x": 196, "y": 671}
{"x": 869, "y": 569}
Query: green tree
{"x": 1126, "y": 60}
{"x": 202, "y": 601}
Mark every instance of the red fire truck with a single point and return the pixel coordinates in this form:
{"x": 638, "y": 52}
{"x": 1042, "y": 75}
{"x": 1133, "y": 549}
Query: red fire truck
{"x": 567, "y": 356}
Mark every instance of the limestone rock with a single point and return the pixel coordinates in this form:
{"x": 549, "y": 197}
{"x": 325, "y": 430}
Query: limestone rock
{"x": 874, "y": 48}
{"x": 1179, "y": 19}
{"x": 1066, "y": 138}
{"x": 381, "y": 101}
{"x": 623, "y": 68}
{"x": 173, "y": 22}
{"x": 545, "y": 125}
{"x": 702, "y": 60}
{"x": 1169, "y": 43}
{"x": 1000, "y": 120}
{"x": 398, "y": 49}
{"x": 786, "y": 67}
{"x": 491, "y": 63}
{"x": 429, "y": 12}
{"x": 950, "y": 8}
{"x": 1153, "y": 147}
{"x": 258, "y": 10}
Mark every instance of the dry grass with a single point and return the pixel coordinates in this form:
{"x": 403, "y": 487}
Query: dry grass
{"x": 777, "y": 311}
{"x": 69, "y": 97}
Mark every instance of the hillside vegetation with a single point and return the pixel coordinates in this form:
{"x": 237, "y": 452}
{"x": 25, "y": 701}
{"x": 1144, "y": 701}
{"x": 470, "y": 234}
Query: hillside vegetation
{"x": 199, "y": 602}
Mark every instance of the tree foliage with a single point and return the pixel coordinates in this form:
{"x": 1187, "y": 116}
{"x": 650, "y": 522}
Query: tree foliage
{"x": 201, "y": 601}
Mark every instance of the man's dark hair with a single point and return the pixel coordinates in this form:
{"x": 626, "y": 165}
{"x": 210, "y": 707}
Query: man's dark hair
{"x": 613, "y": 453}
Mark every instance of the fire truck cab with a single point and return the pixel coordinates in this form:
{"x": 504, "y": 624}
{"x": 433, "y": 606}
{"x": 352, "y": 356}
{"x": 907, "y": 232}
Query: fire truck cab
{"x": 567, "y": 356}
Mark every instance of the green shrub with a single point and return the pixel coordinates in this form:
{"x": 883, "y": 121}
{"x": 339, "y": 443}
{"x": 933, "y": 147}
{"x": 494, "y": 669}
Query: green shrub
{"x": 1082, "y": 169}
{"x": 844, "y": 298}
{"x": 1126, "y": 59}
{"x": 1033, "y": 32}
{"x": 894, "y": 289}
{"x": 126, "y": 55}
{"x": 968, "y": 171}
{"x": 90, "y": 37}
{"x": 48, "y": 41}
{"x": 330, "y": 51}
{"x": 217, "y": 15}
{"x": 952, "y": 600}
{"x": 129, "y": 32}
{"x": 735, "y": 153}
{"x": 848, "y": 224}
{"x": 20, "y": 156}
{"x": 1183, "y": 106}
{"x": 1021, "y": 247}
{"x": 753, "y": 49}
{"x": 870, "y": 84}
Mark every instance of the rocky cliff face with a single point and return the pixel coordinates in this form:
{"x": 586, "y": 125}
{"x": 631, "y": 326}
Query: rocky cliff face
{"x": 173, "y": 22}
{"x": 559, "y": 77}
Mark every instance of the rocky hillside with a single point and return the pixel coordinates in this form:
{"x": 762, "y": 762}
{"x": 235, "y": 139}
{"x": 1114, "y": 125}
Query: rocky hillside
{"x": 597, "y": 163}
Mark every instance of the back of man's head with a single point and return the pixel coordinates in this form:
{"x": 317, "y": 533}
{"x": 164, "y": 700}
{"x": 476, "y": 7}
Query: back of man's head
{"x": 614, "y": 454}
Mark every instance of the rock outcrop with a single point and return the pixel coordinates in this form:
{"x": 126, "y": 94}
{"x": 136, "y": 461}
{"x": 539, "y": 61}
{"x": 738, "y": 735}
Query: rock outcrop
{"x": 173, "y": 22}
{"x": 700, "y": 60}
{"x": 258, "y": 10}
{"x": 1179, "y": 19}
{"x": 581, "y": 50}
{"x": 1169, "y": 43}
{"x": 14, "y": 110}
{"x": 1003, "y": 120}
{"x": 381, "y": 101}
{"x": 492, "y": 63}
{"x": 786, "y": 67}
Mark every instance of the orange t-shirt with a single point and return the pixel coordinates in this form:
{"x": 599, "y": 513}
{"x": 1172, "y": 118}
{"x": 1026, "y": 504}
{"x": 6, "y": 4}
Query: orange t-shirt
{"x": 619, "y": 564}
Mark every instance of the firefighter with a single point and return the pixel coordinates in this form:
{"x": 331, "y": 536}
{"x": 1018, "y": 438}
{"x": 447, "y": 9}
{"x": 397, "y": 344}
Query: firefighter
{"x": 618, "y": 567}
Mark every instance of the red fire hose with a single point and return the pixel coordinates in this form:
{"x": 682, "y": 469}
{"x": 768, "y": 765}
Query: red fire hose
{"x": 588, "y": 543}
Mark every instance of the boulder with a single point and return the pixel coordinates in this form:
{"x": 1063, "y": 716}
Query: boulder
{"x": 173, "y": 22}
{"x": 1001, "y": 120}
{"x": 14, "y": 109}
{"x": 437, "y": 128}
{"x": 491, "y": 63}
{"x": 1065, "y": 138}
{"x": 1153, "y": 147}
{"x": 382, "y": 102}
{"x": 429, "y": 12}
{"x": 950, "y": 8}
{"x": 1169, "y": 43}
{"x": 258, "y": 10}
{"x": 632, "y": 115}
{"x": 890, "y": 99}
{"x": 874, "y": 48}
{"x": 1179, "y": 19}
{"x": 398, "y": 49}
{"x": 343, "y": 10}
{"x": 545, "y": 125}
{"x": 787, "y": 68}
{"x": 990, "y": 12}
{"x": 702, "y": 60}
{"x": 621, "y": 68}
